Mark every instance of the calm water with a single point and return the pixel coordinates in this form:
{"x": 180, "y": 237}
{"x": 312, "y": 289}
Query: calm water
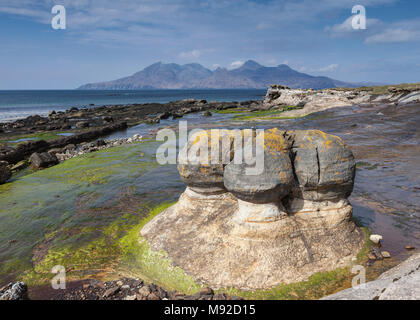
{"x": 15, "y": 104}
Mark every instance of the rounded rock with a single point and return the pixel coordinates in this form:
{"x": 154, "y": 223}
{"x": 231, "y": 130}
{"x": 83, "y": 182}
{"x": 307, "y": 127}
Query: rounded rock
{"x": 324, "y": 166}
{"x": 275, "y": 178}
{"x": 201, "y": 170}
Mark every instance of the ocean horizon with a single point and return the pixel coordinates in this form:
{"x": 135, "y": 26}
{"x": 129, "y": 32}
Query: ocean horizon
{"x": 18, "y": 104}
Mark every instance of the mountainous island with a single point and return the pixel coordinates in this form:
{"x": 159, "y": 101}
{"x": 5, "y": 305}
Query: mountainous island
{"x": 251, "y": 75}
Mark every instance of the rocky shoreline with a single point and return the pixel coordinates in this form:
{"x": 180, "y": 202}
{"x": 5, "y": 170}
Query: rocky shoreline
{"x": 84, "y": 125}
{"x": 91, "y": 289}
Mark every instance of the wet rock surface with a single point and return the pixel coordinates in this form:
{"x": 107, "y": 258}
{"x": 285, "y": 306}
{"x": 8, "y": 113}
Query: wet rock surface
{"x": 398, "y": 283}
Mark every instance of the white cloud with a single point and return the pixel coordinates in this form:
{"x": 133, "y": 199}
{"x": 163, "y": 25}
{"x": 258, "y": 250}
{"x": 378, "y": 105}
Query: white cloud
{"x": 328, "y": 68}
{"x": 193, "y": 54}
{"x": 403, "y": 31}
{"x": 345, "y": 28}
{"x": 378, "y": 31}
{"x": 236, "y": 64}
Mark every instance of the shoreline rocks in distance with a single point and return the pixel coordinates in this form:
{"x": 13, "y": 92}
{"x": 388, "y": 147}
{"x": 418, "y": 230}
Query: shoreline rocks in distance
{"x": 311, "y": 100}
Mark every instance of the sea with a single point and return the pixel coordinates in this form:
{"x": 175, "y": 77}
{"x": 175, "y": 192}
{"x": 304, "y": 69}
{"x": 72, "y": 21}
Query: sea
{"x": 17, "y": 104}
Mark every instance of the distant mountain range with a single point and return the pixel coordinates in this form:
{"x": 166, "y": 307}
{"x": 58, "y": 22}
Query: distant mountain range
{"x": 250, "y": 75}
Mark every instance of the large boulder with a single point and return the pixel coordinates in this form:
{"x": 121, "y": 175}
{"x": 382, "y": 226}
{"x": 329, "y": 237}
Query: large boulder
{"x": 43, "y": 160}
{"x": 5, "y": 172}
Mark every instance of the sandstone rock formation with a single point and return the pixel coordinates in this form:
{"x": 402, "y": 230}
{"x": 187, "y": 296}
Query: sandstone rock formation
{"x": 256, "y": 231}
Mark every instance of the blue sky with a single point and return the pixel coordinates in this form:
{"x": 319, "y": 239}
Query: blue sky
{"x": 108, "y": 39}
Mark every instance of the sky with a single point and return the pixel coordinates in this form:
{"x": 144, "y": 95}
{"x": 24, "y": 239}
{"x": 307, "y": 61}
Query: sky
{"x": 109, "y": 39}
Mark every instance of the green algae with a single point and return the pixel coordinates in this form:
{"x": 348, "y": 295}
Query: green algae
{"x": 46, "y": 216}
{"x": 138, "y": 259}
{"x": 267, "y": 114}
{"x": 230, "y": 111}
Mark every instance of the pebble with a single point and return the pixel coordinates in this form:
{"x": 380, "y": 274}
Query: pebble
{"x": 386, "y": 254}
{"x": 144, "y": 291}
{"x": 375, "y": 238}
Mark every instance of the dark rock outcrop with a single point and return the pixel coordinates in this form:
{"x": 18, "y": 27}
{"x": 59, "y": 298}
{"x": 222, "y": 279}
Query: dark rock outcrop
{"x": 5, "y": 172}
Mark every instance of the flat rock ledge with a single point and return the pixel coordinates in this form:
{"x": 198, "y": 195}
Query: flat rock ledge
{"x": 232, "y": 230}
{"x": 399, "y": 283}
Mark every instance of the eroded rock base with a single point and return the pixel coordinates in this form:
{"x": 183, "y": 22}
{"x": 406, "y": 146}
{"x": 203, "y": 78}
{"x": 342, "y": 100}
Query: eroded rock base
{"x": 202, "y": 236}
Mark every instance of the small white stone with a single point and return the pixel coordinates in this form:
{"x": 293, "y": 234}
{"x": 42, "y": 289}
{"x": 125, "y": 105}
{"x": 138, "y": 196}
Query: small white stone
{"x": 375, "y": 238}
